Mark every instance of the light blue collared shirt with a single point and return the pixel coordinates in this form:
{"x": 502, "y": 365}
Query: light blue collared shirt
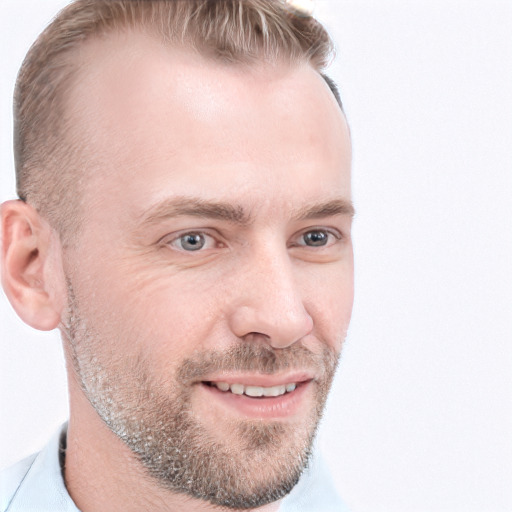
{"x": 36, "y": 484}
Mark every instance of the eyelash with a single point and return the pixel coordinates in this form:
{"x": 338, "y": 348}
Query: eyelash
{"x": 180, "y": 236}
{"x": 331, "y": 233}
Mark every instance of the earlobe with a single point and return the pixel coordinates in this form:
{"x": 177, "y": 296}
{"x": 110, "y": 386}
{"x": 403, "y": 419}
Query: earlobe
{"x": 26, "y": 258}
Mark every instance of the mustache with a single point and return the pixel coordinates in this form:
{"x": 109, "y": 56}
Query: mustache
{"x": 259, "y": 358}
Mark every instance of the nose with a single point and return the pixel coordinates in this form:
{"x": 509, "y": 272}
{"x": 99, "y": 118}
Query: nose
{"x": 268, "y": 303}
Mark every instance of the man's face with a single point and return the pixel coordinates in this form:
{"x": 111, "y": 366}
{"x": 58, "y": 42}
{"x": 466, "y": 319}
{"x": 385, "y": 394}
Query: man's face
{"x": 210, "y": 287}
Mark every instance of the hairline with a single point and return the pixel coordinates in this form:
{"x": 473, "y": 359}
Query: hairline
{"x": 63, "y": 148}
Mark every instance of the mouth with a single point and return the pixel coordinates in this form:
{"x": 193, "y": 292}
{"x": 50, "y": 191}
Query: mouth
{"x": 254, "y": 391}
{"x": 261, "y": 397}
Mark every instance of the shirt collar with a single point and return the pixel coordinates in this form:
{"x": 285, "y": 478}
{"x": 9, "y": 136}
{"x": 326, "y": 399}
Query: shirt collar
{"x": 43, "y": 487}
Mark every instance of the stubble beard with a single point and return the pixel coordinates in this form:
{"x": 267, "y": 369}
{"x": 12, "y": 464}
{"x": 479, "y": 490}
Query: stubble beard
{"x": 260, "y": 462}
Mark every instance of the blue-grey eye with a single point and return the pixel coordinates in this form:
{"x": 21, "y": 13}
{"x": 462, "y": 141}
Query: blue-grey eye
{"x": 192, "y": 241}
{"x": 316, "y": 238}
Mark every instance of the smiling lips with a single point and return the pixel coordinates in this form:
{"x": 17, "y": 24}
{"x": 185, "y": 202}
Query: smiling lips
{"x": 263, "y": 396}
{"x": 255, "y": 391}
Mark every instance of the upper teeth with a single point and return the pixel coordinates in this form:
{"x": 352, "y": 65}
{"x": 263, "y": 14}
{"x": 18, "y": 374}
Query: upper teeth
{"x": 240, "y": 389}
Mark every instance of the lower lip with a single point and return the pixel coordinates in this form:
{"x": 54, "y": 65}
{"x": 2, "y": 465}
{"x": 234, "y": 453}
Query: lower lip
{"x": 284, "y": 406}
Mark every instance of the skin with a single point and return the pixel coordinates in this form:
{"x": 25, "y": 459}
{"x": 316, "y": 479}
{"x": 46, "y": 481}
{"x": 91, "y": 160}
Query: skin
{"x": 162, "y": 124}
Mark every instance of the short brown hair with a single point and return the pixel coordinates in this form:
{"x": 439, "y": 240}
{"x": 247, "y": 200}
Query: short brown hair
{"x": 239, "y": 31}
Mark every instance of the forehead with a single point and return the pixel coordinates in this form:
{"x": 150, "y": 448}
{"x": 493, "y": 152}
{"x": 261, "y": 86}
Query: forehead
{"x": 157, "y": 120}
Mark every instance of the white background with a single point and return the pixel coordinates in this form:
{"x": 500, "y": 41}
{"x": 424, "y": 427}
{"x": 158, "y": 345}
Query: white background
{"x": 421, "y": 415}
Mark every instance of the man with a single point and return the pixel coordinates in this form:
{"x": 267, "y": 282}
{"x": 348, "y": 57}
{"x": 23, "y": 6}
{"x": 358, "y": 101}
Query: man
{"x": 184, "y": 219}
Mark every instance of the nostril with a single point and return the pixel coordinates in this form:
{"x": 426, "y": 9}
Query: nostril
{"x": 278, "y": 323}
{"x": 256, "y": 336}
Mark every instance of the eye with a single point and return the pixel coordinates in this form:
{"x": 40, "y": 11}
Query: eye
{"x": 315, "y": 238}
{"x": 192, "y": 241}
{"x": 318, "y": 238}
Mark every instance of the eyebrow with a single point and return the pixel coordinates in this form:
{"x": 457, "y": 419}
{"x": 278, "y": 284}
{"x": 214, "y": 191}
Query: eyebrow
{"x": 195, "y": 207}
{"x": 219, "y": 210}
{"x": 330, "y": 208}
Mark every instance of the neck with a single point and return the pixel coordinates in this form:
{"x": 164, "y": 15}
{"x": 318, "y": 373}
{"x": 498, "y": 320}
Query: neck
{"x": 102, "y": 474}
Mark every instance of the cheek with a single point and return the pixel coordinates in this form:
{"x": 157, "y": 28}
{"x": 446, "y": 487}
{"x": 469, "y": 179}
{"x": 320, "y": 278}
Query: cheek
{"x": 162, "y": 315}
{"x": 329, "y": 300}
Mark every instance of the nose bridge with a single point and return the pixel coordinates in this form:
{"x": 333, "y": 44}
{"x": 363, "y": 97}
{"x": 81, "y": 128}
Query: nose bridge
{"x": 270, "y": 301}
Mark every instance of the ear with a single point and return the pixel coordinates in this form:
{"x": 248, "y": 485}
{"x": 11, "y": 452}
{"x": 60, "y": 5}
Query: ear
{"x": 30, "y": 275}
